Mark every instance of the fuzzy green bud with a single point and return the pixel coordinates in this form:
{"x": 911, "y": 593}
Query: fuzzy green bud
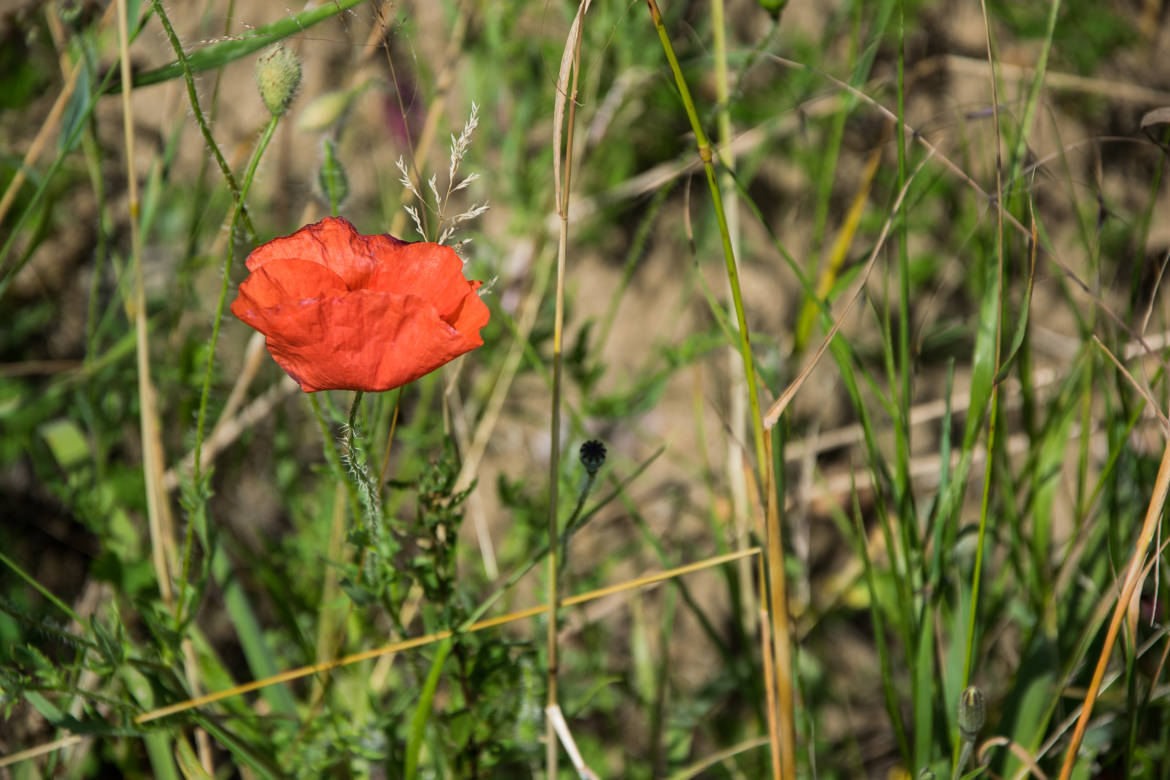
{"x": 331, "y": 177}
{"x": 278, "y": 74}
{"x": 971, "y": 713}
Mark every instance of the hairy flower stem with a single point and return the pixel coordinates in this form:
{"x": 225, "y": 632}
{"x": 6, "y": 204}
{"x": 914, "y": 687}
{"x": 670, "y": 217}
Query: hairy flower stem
{"x": 779, "y": 611}
{"x": 238, "y": 193}
{"x": 354, "y": 454}
{"x": 217, "y": 320}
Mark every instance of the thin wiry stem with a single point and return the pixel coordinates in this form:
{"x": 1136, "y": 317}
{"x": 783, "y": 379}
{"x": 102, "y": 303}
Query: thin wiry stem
{"x": 775, "y": 541}
{"x": 136, "y": 308}
{"x": 193, "y": 98}
{"x": 217, "y": 320}
{"x": 551, "y": 752}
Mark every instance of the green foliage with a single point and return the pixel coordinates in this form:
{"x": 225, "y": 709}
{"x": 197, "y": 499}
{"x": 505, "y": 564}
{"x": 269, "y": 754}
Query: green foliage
{"x": 969, "y": 546}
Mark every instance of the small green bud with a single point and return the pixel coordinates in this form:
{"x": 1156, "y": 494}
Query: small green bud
{"x": 773, "y": 7}
{"x": 592, "y": 456}
{"x": 323, "y": 110}
{"x": 331, "y": 177}
{"x": 326, "y": 110}
{"x": 971, "y": 713}
{"x": 278, "y": 74}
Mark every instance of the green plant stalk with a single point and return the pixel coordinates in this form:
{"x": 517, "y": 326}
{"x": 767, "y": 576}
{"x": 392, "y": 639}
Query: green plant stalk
{"x": 101, "y": 250}
{"x": 41, "y": 589}
{"x": 1034, "y": 91}
{"x": 201, "y": 191}
{"x": 418, "y": 721}
{"x": 359, "y": 469}
{"x": 217, "y": 320}
{"x": 225, "y": 285}
{"x": 779, "y": 604}
{"x": 331, "y": 455}
{"x": 901, "y": 427}
{"x": 993, "y": 416}
{"x": 223, "y": 52}
{"x": 551, "y": 743}
{"x": 920, "y": 655}
{"x": 737, "y": 481}
{"x": 704, "y": 147}
{"x": 193, "y": 99}
{"x": 889, "y": 695}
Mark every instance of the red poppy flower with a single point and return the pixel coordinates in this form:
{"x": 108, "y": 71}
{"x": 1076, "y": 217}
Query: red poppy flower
{"x": 344, "y": 311}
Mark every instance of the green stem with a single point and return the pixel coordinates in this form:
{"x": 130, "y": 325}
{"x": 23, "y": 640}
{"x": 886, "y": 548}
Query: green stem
{"x": 704, "y": 147}
{"x": 269, "y": 130}
{"x": 781, "y": 649}
{"x": 197, "y": 475}
{"x": 359, "y": 465}
{"x": 551, "y": 752}
{"x": 193, "y": 98}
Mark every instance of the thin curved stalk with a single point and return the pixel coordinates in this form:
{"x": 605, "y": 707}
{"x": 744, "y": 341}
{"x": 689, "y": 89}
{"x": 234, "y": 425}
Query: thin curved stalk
{"x": 774, "y": 547}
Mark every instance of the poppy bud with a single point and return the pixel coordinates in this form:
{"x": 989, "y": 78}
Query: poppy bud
{"x": 774, "y": 7}
{"x": 592, "y": 456}
{"x": 331, "y": 177}
{"x": 278, "y": 74}
{"x": 326, "y": 110}
{"x": 971, "y": 713}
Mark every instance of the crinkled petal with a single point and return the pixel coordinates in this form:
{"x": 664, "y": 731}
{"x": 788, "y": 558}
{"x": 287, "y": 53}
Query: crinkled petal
{"x": 343, "y": 311}
{"x": 334, "y": 243}
{"x": 363, "y": 340}
{"x": 283, "y": 280}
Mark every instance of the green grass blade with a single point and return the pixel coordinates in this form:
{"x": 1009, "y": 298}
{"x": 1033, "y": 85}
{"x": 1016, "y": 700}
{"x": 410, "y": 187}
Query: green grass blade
{"x": 219, "y": 54}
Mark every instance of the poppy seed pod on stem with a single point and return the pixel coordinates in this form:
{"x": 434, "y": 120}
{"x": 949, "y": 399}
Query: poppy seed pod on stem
{"x": 278, "y": 74}
{"x": 592, "y": 456}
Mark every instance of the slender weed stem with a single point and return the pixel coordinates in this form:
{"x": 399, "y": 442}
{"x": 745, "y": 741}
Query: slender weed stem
{"x": 779, "y": 606}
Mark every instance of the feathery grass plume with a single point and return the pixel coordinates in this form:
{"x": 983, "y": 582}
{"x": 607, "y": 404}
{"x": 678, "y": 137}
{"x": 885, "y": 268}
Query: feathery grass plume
{"x": 439, "y": 200}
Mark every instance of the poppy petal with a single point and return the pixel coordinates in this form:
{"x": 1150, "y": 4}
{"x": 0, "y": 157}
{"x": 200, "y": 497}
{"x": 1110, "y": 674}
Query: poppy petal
{"x": 340, "y": 310}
